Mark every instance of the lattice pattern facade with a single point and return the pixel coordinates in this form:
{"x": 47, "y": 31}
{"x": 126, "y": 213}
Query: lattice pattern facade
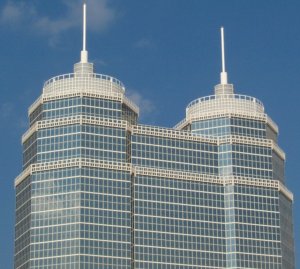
{"x": 99, "y": 190}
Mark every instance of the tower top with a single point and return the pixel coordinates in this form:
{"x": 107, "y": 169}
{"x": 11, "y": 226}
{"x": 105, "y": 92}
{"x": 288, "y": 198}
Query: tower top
{"x": 224, "y": 79}
{"x": 223, "y": 87}
{"x": 83, "y": 67}
{"x": 84, "y": 53}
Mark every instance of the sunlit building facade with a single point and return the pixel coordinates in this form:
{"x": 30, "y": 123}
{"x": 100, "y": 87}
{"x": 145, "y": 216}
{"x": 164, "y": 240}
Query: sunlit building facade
{"x": 100, "y": 190}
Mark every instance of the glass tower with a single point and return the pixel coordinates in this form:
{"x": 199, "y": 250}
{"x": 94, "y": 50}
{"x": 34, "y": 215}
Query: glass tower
{"x": 100, "y": 190}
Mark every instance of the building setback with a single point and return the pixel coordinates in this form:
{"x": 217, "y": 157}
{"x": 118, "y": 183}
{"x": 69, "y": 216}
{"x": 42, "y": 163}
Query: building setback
{"x": 100, "y": 190}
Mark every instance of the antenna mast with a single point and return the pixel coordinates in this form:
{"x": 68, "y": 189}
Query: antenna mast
{"x": 223, "y": 73}
{"x": 84, "y": 53}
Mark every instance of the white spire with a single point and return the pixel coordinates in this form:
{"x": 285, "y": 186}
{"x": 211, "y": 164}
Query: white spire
{"x": 223, "y": 73}
{"x": 84, "y": 53}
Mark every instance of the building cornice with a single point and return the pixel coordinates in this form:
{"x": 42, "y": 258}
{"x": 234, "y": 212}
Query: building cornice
{"x": 152, "y": 131}
{"x": 80, "y": 119}
{"x": 154, "y": 172}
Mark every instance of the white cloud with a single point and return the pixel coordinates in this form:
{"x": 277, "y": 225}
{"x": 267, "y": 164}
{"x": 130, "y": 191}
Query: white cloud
{"x": 144, "y": 43}
{"x": 100, "y": 14}
{"x": 146, "y": 106}
{"x": 6, "y": 110}
{"x": 14, "y": 13}
{"x": 99, "y": 62}
{"x": 22, "y": 123}
{"x": 11, "y": 13}
{"x": 24, "y": 13}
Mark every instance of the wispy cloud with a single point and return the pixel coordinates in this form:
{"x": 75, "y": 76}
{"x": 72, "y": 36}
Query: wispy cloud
{"x": 22, "y": 123}
{"x": 6, "y": 110}
{"x": 14, "y": 13}
{"x": 26, "y": 14}
{"x": 9, "y": 116}
{"x": 147, "y": 107}
{"x": 99, "y": 62}
{"x": 144, "y": 43}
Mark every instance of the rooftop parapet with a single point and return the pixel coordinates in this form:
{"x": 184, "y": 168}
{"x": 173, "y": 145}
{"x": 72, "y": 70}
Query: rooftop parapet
{"x": 224, "y": 103}
{"x": 90, "y": 82}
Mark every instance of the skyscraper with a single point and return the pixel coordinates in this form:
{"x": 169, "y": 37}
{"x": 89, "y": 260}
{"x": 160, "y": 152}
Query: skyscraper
{"x": 100, "y": 190}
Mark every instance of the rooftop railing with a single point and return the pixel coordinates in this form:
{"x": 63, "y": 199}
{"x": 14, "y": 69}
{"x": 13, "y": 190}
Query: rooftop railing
{"x": 231, "y": 103}
{"x": 225, "y": 96}
{"x": 93, "y": 75}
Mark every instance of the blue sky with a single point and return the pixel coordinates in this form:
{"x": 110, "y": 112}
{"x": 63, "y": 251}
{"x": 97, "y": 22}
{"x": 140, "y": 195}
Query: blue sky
{"x": 166, "y": 52}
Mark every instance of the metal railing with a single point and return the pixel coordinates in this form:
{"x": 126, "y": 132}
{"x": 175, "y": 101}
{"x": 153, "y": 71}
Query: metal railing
{"x": 87, "y": 82}
{"x": 225, "y": 96}
{"x": 93, "y": 75}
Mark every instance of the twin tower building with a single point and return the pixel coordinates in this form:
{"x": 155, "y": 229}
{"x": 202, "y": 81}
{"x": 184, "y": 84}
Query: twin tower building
{"x": 100, "y": 190}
